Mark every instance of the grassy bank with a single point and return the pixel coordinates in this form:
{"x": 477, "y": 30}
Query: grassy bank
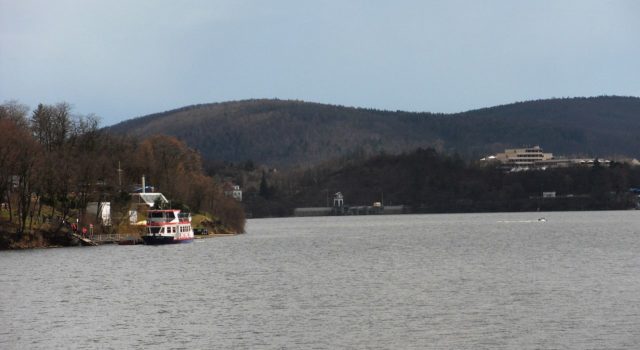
{"x": 52, "y": 233}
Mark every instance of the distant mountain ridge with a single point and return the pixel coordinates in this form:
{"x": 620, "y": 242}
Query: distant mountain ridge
{"x": 286, "y": 133}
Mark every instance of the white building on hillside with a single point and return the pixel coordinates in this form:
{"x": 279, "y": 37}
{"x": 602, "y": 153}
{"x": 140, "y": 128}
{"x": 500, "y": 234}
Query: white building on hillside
{"x": 101, "y": 210}
{"x": 522, "y": 159}
{"x": 233, "y": 191}
{"x": 523, "y": 156}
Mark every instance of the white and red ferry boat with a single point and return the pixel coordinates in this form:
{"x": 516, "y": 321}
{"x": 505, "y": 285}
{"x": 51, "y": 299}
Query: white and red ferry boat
{"x": 168, "y": 226}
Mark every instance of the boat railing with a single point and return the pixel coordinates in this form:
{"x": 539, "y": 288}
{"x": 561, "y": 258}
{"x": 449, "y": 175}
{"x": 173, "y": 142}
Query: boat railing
{"x": 160, "y": 220}
{"x": 184, "y": 216}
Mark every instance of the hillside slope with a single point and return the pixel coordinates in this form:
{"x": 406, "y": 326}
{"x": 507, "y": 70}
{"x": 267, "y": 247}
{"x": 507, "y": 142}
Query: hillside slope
{"x": 283, "y": 133}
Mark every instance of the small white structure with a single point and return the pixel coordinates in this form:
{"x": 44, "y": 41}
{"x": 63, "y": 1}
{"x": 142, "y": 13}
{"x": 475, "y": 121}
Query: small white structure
{"x": 338, "y": 200}
{"x": 234, "y": 192}
{"x": 149, "y": 198}
{"x": 104, "y": 212}
{"x": 133, "y": 216}
{"x": 550, "y": 194}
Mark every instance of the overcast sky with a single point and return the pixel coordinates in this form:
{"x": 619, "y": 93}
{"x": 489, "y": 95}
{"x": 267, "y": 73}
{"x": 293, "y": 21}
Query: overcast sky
{"x": 120, "y": 58}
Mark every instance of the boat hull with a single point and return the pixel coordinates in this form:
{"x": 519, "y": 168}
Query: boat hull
{"x": 156, "y": 240}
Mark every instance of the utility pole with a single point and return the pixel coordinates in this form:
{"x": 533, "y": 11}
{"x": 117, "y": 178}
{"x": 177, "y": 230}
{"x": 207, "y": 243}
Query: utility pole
{"x": 119, "y": 176}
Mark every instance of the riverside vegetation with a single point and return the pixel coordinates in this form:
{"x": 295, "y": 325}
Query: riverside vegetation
{"x": 287, "y": 154}
{"x": 429, "y": 182}
{"x": 53, "y": 162}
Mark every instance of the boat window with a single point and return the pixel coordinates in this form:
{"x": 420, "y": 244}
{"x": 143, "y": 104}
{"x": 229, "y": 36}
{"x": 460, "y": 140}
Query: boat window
{"x": 171, "y": 215}
{"x": 154, "y": 229}
{"x": 155, "y": 214}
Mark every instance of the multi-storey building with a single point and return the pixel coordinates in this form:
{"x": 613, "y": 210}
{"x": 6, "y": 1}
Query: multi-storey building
{"x": 523, "y": 156}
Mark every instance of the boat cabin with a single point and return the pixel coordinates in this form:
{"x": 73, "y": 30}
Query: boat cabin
{"x": 167, "y": 216}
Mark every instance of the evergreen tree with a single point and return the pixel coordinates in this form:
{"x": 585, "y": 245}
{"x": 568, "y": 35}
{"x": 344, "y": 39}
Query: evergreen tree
{"x": 264, "y": 187}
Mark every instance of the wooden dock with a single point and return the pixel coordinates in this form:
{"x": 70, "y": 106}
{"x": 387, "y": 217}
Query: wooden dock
{"x": 116, "y": 238}
{"x": 83, "y": 240}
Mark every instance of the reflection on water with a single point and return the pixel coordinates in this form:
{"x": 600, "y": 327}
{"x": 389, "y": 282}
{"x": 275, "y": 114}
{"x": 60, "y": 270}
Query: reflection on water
{"x": 495, "y": 281}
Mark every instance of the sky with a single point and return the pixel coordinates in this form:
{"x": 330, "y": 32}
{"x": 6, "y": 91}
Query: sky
{"x": 120, "y": 59}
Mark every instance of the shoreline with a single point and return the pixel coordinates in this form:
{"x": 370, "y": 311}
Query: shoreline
{"x": 29, "y": 245}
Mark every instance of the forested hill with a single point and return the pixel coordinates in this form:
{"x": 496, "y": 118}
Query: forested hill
{"x": 279, "y": 132}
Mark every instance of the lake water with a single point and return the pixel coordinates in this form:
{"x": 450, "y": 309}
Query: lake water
{"x": 472, "y": 281}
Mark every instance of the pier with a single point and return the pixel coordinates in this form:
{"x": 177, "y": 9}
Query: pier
{"x": 340, "y": 209}
{"x": 83, "y": 240}
{"x": 93, "y": 240}
{"x": 352, "y": 210}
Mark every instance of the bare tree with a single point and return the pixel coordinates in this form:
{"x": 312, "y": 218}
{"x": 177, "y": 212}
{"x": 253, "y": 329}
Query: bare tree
{"x": 13, "y": 123}
{"x": 52, "y": 125}
{"x": 8, "y": 131}
{"x": 27, "y": 157}
{"x": 16, "y": 112}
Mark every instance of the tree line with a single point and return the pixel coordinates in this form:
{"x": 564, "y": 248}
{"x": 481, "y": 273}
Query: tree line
{"x": 427, "y": 181}
{"x": 53, "y": 162}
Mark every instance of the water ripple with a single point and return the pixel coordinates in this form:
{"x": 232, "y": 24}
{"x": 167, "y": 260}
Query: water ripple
{"x": 478, "y": 281}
